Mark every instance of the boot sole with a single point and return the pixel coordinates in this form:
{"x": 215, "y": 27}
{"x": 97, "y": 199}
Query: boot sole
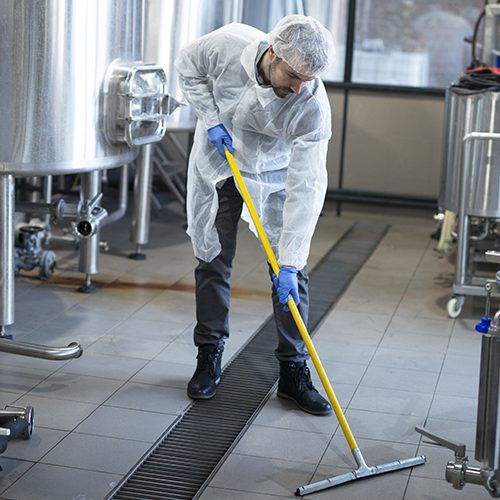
{"x": 197, "y": 396}
{"x": 320, "y": 413}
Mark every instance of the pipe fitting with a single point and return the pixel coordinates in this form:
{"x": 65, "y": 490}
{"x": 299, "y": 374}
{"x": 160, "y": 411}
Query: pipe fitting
{"x": 63, "y": 210}
{"x": 495, "y": 324}
{"x": 458, "y": 473}
{"x": 491, "y": 484}
{"x": 89, "y": 217}
{"x": 88, "y": 226}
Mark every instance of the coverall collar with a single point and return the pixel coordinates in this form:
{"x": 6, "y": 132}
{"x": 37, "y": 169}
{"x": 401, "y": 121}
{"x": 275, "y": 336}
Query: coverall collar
{"x": 249, "y": 59}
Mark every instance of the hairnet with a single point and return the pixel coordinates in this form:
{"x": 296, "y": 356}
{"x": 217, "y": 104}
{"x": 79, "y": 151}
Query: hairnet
{"x": 303, "y": 43}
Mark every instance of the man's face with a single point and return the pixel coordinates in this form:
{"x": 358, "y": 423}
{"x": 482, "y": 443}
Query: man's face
{"x": 284, "y": 80}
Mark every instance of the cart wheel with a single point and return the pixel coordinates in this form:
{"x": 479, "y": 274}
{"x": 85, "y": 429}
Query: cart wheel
{"x": 30, "y": 417}
{"x": 454, "y": 307}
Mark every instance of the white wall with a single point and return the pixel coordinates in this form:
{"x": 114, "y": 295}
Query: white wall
{"x": 393, "y": 142}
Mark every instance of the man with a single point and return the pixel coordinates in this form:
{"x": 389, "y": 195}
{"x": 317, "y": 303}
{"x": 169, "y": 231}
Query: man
{"x": 259, "y": 96}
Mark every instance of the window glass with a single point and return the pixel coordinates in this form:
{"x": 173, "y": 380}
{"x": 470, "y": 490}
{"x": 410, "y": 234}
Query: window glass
{"x": 264, "y": 14}
{"x": 416, "y": 43}
{"x": 333, "y": 15}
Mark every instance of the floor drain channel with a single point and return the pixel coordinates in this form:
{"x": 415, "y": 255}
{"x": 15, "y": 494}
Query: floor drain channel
{"x": 182, "y": 463}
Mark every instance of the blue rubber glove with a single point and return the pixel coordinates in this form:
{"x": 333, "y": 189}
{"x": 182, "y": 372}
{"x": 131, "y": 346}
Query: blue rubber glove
{"x": 219, "y": 136}
{"x": 287, "y": 284}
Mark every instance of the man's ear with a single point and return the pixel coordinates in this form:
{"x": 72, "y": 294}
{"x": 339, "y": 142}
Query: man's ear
{"x": 272, "y": 54}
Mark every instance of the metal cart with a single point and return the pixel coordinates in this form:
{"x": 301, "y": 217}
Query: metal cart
{"x": 470, "y": 184}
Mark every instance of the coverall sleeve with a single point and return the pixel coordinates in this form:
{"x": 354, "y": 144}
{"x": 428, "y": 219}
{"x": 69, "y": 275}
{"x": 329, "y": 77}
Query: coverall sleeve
{"x": 197, "y": 66}
{"x": 305, "y": 186}
{"x": 305, "y": 194}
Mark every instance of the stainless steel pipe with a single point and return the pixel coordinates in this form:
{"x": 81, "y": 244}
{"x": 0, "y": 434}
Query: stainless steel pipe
{"x": 73, "y": 350}
{"x": 122, "y": 198}
{"x": 143, "y": 181}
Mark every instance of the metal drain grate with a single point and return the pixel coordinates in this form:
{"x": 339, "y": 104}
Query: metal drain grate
{"x": 184, "y": 460}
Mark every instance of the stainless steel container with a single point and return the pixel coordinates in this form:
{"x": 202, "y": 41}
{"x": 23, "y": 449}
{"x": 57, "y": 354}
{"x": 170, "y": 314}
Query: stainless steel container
{"x": 172, "y": 24}
{"x": 471, "y": 111}
{"x": 55, "y": 57}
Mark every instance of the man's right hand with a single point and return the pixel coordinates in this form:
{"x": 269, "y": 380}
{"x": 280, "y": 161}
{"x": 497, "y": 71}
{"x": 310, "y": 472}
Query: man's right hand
{"x": 219, "y": 137}
{"x": 287, "y": 284}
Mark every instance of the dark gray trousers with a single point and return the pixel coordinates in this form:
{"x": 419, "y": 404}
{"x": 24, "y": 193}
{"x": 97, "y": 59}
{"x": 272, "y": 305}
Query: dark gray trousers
{"x": 213, "y": 287}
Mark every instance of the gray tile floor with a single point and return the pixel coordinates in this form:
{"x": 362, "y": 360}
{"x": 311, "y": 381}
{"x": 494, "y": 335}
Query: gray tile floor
{"x": 394, "y": 359}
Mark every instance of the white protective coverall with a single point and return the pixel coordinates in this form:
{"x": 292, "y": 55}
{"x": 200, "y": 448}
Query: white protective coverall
{"x": 280, "y": 144}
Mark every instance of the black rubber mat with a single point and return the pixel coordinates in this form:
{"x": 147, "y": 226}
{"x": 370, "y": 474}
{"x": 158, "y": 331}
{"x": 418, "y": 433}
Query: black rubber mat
{"x": 184, "y": 460}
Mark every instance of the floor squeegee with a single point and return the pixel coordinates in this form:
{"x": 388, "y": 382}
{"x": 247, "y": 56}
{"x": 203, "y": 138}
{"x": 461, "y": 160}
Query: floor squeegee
{"x": 363, "y": 470}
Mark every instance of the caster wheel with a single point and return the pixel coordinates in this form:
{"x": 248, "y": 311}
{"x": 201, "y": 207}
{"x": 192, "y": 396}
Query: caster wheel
{"x": 454, "y": 307}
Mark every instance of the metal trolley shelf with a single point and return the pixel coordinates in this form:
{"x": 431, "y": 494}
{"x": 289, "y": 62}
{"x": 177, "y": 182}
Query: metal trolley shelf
{"x": 470, "y": 182}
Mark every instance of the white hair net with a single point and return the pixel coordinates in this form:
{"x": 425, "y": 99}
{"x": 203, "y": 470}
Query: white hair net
{"x": 303, "y": 43}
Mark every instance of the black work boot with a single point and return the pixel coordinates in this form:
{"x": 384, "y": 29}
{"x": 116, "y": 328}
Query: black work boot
{"x": 295, "y": 383}
{"x": 207, "y": 374}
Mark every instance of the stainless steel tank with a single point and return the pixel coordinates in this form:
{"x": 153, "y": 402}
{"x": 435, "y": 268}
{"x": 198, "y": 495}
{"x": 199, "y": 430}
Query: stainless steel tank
{"x": 56, "y": 57}
{"x": 172, "y": 24}
{"x": 471, "y": 111}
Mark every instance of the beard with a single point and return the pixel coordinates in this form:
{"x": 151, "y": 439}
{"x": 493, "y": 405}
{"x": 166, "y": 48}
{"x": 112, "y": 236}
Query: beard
{"x": 281, "y": 92}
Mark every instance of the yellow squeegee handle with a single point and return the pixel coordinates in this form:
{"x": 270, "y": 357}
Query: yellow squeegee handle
{"x": 291, "y": 304}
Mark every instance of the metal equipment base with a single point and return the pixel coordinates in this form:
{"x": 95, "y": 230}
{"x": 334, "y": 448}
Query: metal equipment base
{"x": 15, "y": 422}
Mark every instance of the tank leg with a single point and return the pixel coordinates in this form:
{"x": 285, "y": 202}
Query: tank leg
{"x": 47, "y": 197}
{"x": 463, "y": 248}
{"x": 89, "y": 247}
{"x": 6, "y": 252}
{"x": 143, "y": 182}
{"x": 36, "y": 184}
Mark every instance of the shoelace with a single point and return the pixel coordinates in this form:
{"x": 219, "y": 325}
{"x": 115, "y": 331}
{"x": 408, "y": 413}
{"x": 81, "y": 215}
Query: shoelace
{"x": 207, "y": 359}
{"x": 303, "y": 379}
